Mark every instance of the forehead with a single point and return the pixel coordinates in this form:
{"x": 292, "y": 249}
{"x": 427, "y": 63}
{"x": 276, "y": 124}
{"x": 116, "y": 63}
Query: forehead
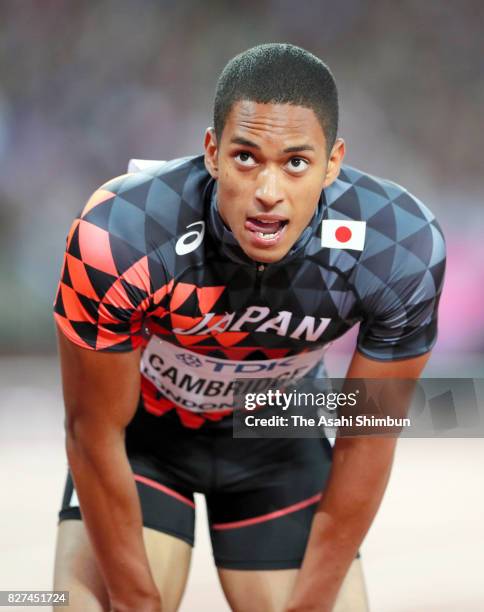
{"x": 274, "y": 122}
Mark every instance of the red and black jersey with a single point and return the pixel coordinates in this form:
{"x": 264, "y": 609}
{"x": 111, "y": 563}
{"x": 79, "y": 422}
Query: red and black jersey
{"x": 150, "y": 263}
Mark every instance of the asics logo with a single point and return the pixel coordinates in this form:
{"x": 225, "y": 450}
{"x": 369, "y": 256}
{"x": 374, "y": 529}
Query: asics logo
{"x": 191, "y": 240}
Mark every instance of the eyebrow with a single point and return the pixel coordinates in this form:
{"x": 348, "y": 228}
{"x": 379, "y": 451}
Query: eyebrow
{"x": 248, "y": 143}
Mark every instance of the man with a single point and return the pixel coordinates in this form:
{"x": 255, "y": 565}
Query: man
{"x": 261, "y": 252}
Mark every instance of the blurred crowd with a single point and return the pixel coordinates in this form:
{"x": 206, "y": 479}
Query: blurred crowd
{"x": 85, "y": 86}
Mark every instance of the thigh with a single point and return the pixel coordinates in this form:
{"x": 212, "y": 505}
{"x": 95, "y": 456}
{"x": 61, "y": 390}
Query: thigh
{"x": 165, "y": 505}
{"x": 262, "y": 509}
{"x": 352, "y": 596}
{"x": 77, "y": 571}
{"x": 257, "y": 590}
{"x": 270, "y": 591}
{"x": 261, "y": 514}
{"x": 168, "y": 513}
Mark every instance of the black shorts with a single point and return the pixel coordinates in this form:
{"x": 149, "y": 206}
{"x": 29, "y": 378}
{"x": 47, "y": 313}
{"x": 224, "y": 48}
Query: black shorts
{"x": 261, "y": 494}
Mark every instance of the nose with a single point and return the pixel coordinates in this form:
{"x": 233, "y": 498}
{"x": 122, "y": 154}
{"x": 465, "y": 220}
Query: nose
{"x": 269, "y": 189}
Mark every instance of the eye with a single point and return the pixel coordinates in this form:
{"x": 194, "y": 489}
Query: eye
{"x": 297, "y": 165}
{"x": 245, "y": 159}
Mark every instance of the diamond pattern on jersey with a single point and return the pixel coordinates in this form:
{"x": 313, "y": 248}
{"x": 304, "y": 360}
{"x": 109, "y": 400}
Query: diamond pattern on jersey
{"x": 122, "y": 281}
{"x": 399, "y": 275}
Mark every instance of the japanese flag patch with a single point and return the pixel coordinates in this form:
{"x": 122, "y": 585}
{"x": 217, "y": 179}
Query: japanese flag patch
{"x": 338, "y": 234}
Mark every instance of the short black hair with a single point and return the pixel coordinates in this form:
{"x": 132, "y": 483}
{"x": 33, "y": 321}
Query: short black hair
{"x": 278, "y": 73}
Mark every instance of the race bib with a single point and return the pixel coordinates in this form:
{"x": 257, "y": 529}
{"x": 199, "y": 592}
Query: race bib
{"x": 200, "y": 383}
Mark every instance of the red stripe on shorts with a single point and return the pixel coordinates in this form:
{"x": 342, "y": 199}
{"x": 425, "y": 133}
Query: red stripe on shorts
{"x": 270, "y": 516}
{"x": 168, "y": 491}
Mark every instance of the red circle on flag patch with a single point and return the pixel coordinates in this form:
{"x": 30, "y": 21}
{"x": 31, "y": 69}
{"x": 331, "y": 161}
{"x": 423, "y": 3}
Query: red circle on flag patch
{"x": 343, "y": 234}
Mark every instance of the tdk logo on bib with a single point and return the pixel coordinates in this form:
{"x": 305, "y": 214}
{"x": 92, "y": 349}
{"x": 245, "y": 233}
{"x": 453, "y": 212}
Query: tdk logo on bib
{"x": 338, "y": 234}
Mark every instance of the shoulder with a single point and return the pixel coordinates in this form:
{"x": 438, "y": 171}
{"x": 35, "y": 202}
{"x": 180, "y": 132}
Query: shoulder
{"x": 378, "y": 201}
{"x": 144, "y": 207}
{"x": 397, "y": 225}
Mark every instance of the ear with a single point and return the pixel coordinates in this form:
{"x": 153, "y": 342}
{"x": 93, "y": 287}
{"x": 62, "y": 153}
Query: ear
{"x": 334, "y": 163}
{"x": 211, "y": 152}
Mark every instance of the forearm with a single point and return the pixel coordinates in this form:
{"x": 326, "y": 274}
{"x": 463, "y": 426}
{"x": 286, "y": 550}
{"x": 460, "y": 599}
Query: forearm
{"x": 112, "y": 515}
{"x": 359, "y": 475}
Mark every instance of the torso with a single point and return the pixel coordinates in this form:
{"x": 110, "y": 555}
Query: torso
{"x": 210, "y": 314}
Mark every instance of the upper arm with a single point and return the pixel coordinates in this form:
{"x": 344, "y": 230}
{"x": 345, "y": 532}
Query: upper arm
{"x": 363, "y": 367}
{"x": 400, "y": 284}
{"x": 383, "y": 388}
{"x": 101, "y": 390}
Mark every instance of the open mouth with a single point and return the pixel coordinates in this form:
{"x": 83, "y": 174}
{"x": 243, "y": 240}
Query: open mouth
{"x": 266, "y": 229}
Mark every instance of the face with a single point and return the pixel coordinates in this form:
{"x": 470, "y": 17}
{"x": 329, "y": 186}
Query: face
{"x": 271, "y": 165}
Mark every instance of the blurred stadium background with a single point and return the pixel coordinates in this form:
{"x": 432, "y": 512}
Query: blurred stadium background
{"x": 86, "y": 86}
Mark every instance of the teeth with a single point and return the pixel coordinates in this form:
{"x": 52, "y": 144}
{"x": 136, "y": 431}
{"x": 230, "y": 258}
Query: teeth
{"x": 267, "y": 236}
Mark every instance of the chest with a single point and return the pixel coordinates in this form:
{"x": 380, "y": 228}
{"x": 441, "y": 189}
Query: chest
{"x": 294, "y": 307}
